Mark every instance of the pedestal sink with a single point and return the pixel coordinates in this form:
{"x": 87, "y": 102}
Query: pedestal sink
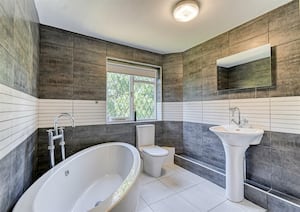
{"x": 236, "y": 140}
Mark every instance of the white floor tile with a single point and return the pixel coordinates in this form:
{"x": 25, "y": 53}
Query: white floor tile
{"x": 145, "y": 178}
{"x": 244, "y": 206}
{"x": 203, "y": 198}
{"x": 173, "y": 204}
{"x": 146, "y": 209}
{"x": 181, "y": 181}
{"x": 142, "y": 204}
{"x": 168, "y": 170}
{"x": 208, "y": 186}
{"x": 180, "y": 190}
{"x": 155, "y": 191}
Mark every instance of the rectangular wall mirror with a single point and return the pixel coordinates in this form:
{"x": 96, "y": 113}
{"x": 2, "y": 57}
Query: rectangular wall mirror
{"x": 247, "y": 69}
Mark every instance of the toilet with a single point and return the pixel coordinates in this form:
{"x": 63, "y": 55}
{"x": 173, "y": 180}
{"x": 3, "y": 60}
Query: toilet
{"x": 153, "y": 156}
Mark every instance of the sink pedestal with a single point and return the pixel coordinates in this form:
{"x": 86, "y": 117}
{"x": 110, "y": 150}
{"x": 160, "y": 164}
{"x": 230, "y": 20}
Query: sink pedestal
{"x": 236, "y": 141}
{"x": 235, "y": 172}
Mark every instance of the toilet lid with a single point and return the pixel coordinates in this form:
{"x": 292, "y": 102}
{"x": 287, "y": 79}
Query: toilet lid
{"x": 155, "y": 151}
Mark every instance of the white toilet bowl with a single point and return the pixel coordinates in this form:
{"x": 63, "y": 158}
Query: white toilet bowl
{"x": 153, "y": 156}
{"x": 153, "y": 159}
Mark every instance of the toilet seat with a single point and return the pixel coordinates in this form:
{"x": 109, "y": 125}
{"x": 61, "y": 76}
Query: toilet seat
{"x": 155, "y": 151}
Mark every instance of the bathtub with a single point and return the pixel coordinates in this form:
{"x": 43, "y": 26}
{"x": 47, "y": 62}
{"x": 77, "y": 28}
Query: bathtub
{"x": 100, "y": 178}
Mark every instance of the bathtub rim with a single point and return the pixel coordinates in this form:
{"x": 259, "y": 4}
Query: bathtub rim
{"x": 26, "y": 202}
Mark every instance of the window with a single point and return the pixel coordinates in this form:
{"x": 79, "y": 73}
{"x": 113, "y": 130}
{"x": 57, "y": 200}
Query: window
{"x": 131, "y": 92}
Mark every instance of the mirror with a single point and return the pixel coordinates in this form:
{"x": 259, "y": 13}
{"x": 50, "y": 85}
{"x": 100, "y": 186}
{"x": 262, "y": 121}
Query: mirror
{"x": 247, "y": 69}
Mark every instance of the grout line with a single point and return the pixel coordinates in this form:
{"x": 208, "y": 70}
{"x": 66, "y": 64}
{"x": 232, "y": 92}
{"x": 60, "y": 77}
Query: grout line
{"x": 217, "y": 205}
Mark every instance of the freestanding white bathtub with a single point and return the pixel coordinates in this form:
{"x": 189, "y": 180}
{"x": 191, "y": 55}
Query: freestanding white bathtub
{"x": 100, "y": 178}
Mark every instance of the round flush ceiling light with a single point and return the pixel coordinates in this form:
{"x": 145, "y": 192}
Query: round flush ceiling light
{"x": 186, "y": 10}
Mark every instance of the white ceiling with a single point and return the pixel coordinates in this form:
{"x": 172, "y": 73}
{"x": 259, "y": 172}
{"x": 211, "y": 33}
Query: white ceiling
{"x": 149, "y": 24}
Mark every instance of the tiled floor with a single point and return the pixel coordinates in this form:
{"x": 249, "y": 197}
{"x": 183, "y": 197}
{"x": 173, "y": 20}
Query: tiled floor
{"x": 179, "y": 190}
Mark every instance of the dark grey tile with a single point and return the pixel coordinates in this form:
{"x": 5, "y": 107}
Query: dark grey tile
{"x": 86, "y": 56}
{"x": 172, "y": 77}
{"x": 17, "y": 173}
{"x": 89, "y": 44}
{"x": 147, "y": 57}
{"x": 249, "y": 30}
{"x": 89, "y": 81}
{"x": 119, "y": 51}
{"x": 278, "y": 205}
{"x": 56, "y": 36}
{"x": 7, "y": 10}
{"x": 259, "y": 165}
{"x": 285, "y": 172}
{"x": 256, "y": 196}
{"x": 285, "y": 141}
{"x": 5, "y": 167}
{"x": 56, "y": 51}
{"x": 171, "y": 135}
{"x": 55, "y": 91}
{"x": 6, "y": 68}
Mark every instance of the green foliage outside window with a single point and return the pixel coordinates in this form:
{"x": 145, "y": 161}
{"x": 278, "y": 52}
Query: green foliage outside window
{"x": 118, "y": 96}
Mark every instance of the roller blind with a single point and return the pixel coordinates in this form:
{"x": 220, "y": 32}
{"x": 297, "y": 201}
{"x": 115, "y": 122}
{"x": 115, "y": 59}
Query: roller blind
{"x": 130, "y": 69}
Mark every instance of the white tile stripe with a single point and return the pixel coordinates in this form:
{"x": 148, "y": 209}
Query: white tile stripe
{"x": 279, "y": 114}
{"x": 276, "y": 114}
{"x": 85, "y": 112}
{"x": 18, "y": 118}
{"x": 21, "y": 114}
{"x": 172, "y": 111}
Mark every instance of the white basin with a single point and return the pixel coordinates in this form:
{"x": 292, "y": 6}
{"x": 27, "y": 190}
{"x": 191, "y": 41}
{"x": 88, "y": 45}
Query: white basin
{"x": 236, "y": 141}
{"x": 236, "y": 136}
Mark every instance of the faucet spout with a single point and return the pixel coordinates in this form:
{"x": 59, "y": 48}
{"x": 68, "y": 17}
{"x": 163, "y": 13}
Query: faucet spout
{"x": 233, "y": 110}
{"x": 67, "y": 115}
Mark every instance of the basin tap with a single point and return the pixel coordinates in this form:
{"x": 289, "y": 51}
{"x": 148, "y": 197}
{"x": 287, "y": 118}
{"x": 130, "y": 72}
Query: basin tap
{"x": 233, "y": 110}
{"x": 60, "y": 116}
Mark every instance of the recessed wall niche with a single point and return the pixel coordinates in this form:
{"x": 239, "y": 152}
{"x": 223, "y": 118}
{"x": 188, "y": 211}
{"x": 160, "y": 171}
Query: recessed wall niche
{"x": 248, "y": 69}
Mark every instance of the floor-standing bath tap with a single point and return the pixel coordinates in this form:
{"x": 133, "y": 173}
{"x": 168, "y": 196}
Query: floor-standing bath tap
{"x": 57, "y": 134}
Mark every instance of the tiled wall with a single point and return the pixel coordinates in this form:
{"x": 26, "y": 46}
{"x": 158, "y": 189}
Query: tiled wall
{"x": 73, "y": 66}
{"x": 273, "y": 163}
{"x": 19, "y": 52}
{"x": 84, "y": 136}
{"x": 191, "y": 102}
{"x": 172, "y": 77}
{"x": 73, "y": 79}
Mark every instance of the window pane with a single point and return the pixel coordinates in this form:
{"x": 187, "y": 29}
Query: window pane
{"x": 118, "y": 96}
{"x": 147, "y": 79}
{"x": 144, "y": 101}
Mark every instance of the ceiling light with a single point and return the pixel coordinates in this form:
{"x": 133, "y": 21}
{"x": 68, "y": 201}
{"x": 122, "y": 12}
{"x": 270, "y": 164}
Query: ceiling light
{"x": 186, "y": 10}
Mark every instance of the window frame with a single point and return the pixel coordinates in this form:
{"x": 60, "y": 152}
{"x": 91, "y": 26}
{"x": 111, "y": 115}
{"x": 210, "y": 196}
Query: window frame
{"x": 130, "y": 119}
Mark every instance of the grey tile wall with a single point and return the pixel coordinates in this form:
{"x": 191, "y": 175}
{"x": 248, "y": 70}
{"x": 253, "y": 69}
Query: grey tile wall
{"x": 19, "y": 45}
{"x": 169, "y": 133}
{"x": 273, "y": 164}
{"x": 81, "y": 137}
{"x": 73, "y": 66}
{"x": 203, "y": 145}
{"x": 17, "y": 172}
{"x": 19, "y": 61}
{"x": 172, "y": 77}
{"x": 279, "y": 27}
